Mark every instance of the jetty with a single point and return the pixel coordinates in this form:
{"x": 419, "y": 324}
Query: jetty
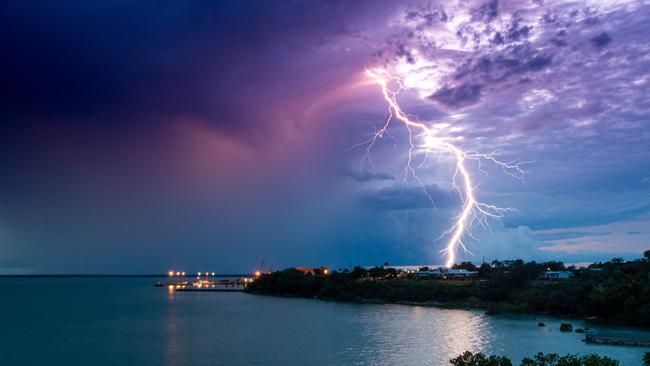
{"x": 205, "y": 281}
{"x": 625, "y": 338}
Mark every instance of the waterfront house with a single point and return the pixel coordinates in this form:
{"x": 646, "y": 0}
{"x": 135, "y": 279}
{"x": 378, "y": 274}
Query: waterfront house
{"x": 313, "y": 270}
{"x": 442, "y": 273}
{"x": 557, "y": 275}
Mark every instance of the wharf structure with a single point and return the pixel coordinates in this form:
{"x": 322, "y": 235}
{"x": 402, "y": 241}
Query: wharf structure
{"x": 626, "y": 338}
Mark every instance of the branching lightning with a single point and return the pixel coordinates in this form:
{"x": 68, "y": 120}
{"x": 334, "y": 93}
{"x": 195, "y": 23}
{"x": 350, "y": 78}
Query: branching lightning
{"x": 472, "y": 211}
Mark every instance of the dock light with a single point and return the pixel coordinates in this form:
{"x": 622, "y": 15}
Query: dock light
{"x": 212, "y": 274}
{"x": 178, "y": 273}
{"x": 183, "y": 274}
{"x": 170, "y": 273}
{"x": 258, "y": 273}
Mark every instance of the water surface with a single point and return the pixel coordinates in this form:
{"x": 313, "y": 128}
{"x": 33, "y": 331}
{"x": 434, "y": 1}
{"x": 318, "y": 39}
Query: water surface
{"x": 126, "y": 321}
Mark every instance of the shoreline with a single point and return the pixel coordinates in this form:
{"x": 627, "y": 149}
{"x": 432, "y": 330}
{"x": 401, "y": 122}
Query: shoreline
{"x": 436, "y": 304}
{"x": 611, "y": 335}
{"x": 491, "y": 309}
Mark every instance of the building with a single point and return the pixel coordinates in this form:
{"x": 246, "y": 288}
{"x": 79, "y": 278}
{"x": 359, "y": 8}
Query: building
{"x": 442, "y": 273}
{"x": 557, "y": 275}
{"x": 313, "y": 270}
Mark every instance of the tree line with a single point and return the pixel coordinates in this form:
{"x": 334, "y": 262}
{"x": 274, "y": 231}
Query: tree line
{"x": 617, "y": 291}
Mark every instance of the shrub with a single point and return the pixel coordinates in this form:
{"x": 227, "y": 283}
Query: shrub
{"x": 552, "y": 359}
{"x": 478, "y": 359}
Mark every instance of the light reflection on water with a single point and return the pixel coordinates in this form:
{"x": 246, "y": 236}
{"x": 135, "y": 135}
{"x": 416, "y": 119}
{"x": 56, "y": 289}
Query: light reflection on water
{"x": 108, "y": 321}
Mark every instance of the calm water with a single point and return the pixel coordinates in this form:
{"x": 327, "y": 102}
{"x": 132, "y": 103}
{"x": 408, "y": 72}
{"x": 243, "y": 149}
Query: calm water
{"x": 126, "y": 321}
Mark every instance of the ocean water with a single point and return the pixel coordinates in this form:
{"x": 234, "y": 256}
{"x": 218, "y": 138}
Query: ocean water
{"x": 126, "y": 321}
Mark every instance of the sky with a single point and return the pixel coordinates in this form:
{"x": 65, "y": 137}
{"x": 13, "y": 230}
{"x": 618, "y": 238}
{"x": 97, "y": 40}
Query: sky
{"x": 139, "y": 136}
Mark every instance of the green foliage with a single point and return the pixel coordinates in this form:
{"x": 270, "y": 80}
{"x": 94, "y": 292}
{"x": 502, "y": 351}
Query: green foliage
{"x": 553, "y": 359}
{"x": 618, "y": 291}
{"x": 646, "y": 356}
{"x": 465, "y": 265}
{"x": 478, "y": 359}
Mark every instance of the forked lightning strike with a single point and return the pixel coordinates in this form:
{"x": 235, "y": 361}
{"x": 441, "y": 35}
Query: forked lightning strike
{"x": 472, "y": 211}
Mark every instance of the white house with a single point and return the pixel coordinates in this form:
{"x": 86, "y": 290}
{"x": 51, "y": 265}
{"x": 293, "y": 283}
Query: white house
{"x": 447, "y": 274}
{"x": 558, "y": 275}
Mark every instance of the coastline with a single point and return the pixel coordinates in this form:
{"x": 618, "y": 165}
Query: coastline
{"x": 613, "y": 293}
{"x": 612, "y": 335}
{"x": 489, "y": 309}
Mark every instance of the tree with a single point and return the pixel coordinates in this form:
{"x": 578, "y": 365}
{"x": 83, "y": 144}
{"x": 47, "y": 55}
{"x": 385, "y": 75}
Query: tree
{"x": 465, "y": 265}
{"x": 484, "y": 270}
{"x": 478, "y": 359}
{"x": 553, "y": 359}
{"x": 358, "y": 272}
{"x": 377, "y": 272}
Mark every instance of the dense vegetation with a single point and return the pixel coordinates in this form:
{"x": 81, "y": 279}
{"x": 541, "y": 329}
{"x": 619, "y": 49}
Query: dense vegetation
{"x": 540, "y": 359}
{"x": 616, "y": 291}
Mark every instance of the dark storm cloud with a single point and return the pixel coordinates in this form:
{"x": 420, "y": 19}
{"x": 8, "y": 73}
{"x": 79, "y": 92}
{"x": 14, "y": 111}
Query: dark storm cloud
{"x": 144, "y": 121}
{"x": 139, "y": 133}
{"x": 601, "y": 40}
{"x": 152, "y": 61}
{"x": 367, "y": 176}
{"x": 565, "y": 235}
{"x": 396, "y": 198}
{"x": 460, "y": 96}
{"x": 486, "y": 12}
{"x": 570, "y": 217}
{"x": 563, "y": 84}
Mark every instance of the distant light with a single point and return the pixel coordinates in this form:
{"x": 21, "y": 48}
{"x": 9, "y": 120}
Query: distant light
{"x": 325, "y": 271}
{"x": 183, "y": 274}
{"x": 170, "y": 273}
{"x": 178, "y": 273}
{"x": 258, "y": 273}
{"x": 212, "y": 273}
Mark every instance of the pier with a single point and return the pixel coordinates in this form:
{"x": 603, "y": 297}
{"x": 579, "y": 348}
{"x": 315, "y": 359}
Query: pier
{"x": 204, "y": 281}
{"x": 624, "y": 338}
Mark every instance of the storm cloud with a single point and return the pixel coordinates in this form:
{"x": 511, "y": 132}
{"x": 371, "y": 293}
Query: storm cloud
{"x": 138, "y": 135}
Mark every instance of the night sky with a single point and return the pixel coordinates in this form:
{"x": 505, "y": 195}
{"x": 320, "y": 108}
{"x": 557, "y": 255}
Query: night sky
{"x": 139, "y": 136}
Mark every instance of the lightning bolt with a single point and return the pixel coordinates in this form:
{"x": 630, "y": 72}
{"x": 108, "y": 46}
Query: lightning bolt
{"x": 472, "y": 211}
